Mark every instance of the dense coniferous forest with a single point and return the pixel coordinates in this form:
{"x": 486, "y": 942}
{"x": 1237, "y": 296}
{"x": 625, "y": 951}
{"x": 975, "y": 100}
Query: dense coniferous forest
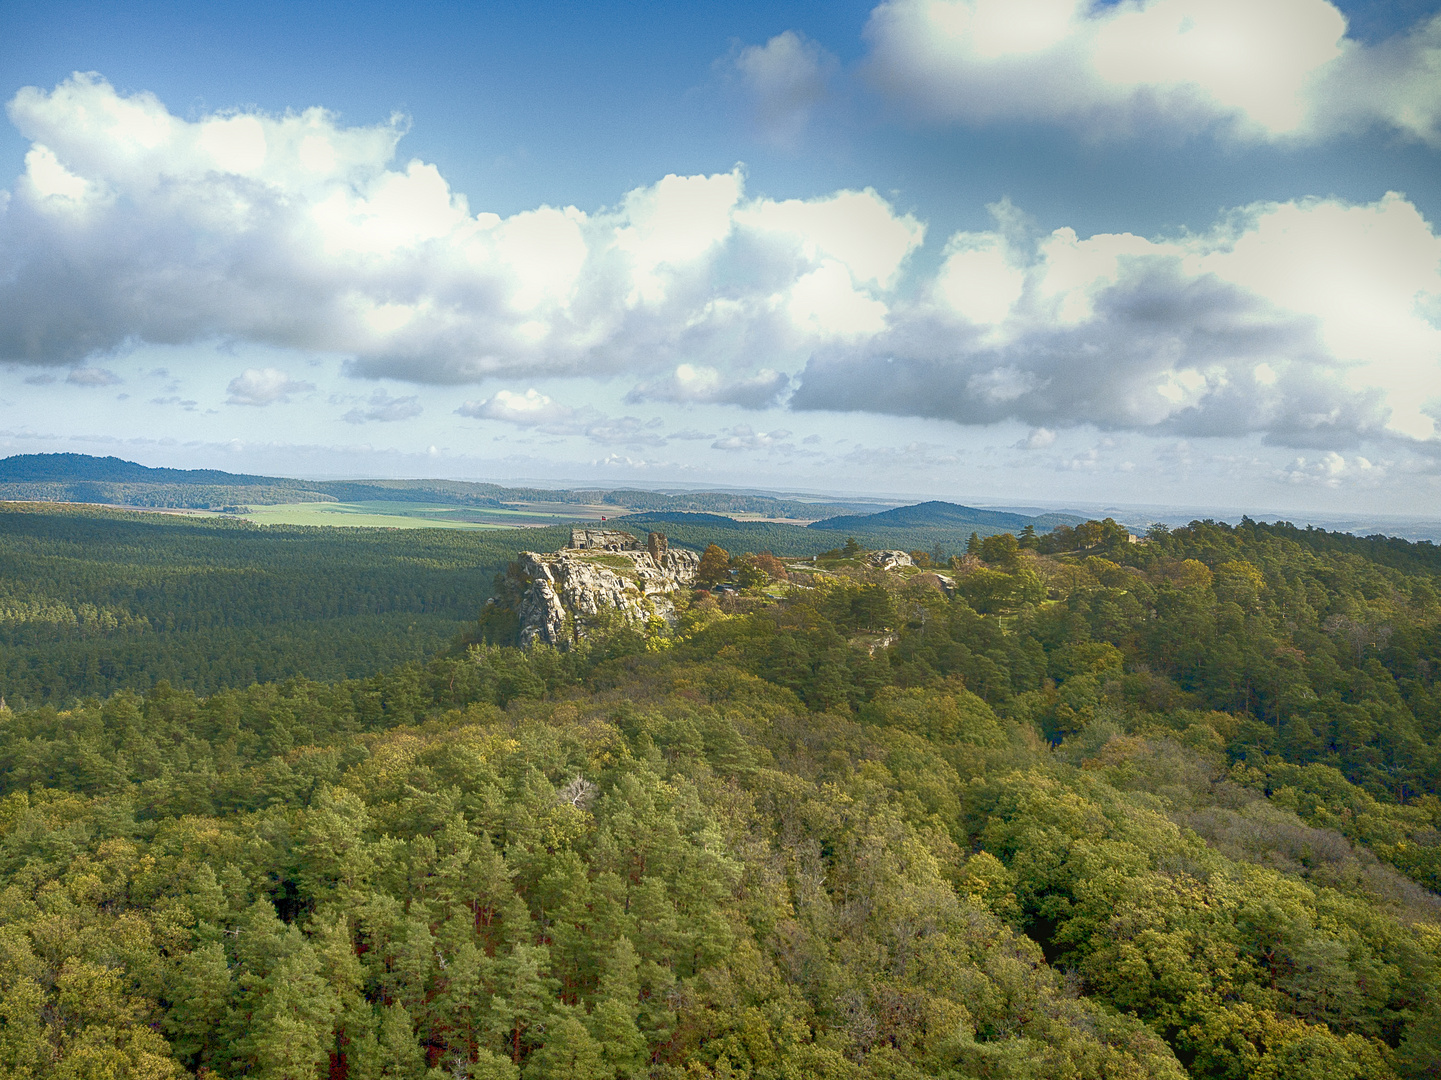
{"x": 1100, "y": 809}
{"x": 92, "y": 601}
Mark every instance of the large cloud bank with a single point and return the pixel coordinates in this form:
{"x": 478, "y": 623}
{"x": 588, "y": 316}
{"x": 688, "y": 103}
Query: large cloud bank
{"x": 1266, "y": 69}
{"x": 1312, "y": 322}
{"x": 1315, "y": 323}
{"x": 132, "y": 224}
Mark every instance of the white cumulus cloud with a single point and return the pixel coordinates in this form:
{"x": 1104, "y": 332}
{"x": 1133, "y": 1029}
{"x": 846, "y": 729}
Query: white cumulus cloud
{"x": 263, "y": 386}
{"x": 693, "y": 383}
{"x": 1332, "y": 470}
{"x": 529, "y": 409}
{"x": 1038, "y": 439}
{"x": 131, "y": 224}
{"x": 1260, "y": 70}
{"x": 1311, "y": 322}
{"x": 1315, "y": 323}
{"x": 786, "y": 77}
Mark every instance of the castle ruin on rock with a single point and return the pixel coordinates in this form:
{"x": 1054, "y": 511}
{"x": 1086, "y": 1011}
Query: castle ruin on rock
{"x": 601, "y": 569}
{"x": 602, "y": 540}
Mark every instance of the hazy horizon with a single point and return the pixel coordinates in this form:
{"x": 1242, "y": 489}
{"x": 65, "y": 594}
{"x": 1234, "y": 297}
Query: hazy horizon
{"x": 1134, "y": 514}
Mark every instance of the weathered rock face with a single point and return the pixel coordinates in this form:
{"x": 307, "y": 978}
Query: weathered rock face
{"x": 564, "y": 587}
{"x": 889, "y": 560}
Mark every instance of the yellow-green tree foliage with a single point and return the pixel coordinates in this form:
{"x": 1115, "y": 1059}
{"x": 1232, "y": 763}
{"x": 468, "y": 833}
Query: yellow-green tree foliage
{"x": 1174, "y": 817}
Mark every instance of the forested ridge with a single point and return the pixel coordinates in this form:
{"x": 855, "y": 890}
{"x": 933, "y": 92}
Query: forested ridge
{"x": 696, "y": 530}
{"x": 1104, "y": 809}
{"x": 82, "y": 478}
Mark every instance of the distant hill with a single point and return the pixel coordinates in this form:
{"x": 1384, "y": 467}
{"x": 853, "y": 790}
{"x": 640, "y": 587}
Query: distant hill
{"x": 696, "y": 530}
{"x": 944, "y": 515}
{"x": 729, "y": 502}
{"x": 886, "y": 530}
{"x": 81, "y": 478}
{"x": 83, "y": 468}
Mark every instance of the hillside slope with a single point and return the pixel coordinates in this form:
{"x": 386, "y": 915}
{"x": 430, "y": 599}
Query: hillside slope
{"x": 944, "y": 515}
{"x": 83, "y": 468}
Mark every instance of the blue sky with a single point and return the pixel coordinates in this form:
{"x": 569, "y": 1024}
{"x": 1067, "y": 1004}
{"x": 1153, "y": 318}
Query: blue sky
{"x": 1163, "y": 251}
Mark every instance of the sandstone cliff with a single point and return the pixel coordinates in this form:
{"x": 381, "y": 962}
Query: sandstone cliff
{"x": 602, "y": 569}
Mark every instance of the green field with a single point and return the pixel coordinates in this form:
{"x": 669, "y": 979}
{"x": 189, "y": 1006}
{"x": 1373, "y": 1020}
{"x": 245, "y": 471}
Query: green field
{"x": 410, "y": 515}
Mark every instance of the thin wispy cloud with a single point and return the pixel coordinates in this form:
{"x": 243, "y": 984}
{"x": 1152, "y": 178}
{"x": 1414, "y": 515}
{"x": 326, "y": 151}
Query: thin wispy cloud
{"x": 383, "y": 408}
{"x": 532, "y": 409}
{"x": 92, "y": 376}
{"x": 744, "y": 437}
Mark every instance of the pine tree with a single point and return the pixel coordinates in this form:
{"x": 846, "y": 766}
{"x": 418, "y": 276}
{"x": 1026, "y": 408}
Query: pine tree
{"x": 200, "y": 989}
{"x": 612, "y": 1020}
{"x": 293, "y": 1030}
{"x": 569, "y": 1053}
{"x": 337, "y": 858}
{"x": 523, "y": 996}
{"x": 458, "y": 1009}
{"x": 489, "y": 1066}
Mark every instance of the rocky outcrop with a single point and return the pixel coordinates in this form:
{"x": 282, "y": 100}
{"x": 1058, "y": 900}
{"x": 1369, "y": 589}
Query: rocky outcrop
{"x": 560, "y": 590}
{"x": 889, "y": 560}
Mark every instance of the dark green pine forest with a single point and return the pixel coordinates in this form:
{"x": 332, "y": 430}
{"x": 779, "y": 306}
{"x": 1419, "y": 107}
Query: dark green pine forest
{"x": 277, "y": 803}
{"x": 93, "y": 601}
